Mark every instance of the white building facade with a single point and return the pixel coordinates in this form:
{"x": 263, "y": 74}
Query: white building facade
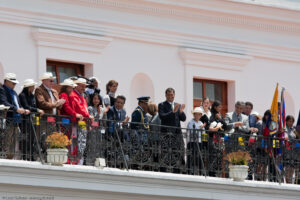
{"x": 149, "y": 45}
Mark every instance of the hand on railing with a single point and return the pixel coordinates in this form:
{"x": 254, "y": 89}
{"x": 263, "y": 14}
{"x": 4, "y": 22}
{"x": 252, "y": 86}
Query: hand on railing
{"x": 238, "y": 124}
{"x": 126, "y": 120}
{"x": 21, "y": 110}
{"x": 253, "y": 130}
{"x": 79, "y": 116}
{"x": 41, "y": 112}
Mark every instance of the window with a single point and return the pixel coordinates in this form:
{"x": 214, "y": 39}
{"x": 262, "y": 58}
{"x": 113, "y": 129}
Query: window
{"x": 214, "y": 90}
{"x": 63, "y": 71}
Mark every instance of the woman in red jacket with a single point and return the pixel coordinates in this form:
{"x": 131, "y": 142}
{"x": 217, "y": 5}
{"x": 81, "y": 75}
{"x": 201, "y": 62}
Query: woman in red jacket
{"x": 68, "y": 110}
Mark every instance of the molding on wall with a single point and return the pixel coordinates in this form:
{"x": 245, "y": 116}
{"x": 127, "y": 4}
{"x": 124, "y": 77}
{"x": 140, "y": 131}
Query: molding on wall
{"x": 213, "y": 11}
{"x": 97, "y": 28}
{"x": 220, "y": 60}
{"x": 70, "y": 41}
{"x": 86, "y": 182}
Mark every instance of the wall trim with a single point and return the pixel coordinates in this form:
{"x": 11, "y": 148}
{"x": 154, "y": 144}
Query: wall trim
{"x": 211, "y": 59}
{"x": 96, "y": 27}
{"x": 90, "y": 181}
{"x": 70, "y": 41}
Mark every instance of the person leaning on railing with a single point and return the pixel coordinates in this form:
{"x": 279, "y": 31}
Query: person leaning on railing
{"x": 8, "y": 97}
{"x": 154, "y": 120}
{"x": 217, "y": 128}
{"x": 96, "y": 107}
{"x": 67, "y": 108}
{"x": 46, "y": 97}
{"x": 27, "y": 100}
{"x": 291, "y": 158}
{"x": 237, "y": 122}
{"x": 81, "y": 107}
{"x": 195, "y": 128}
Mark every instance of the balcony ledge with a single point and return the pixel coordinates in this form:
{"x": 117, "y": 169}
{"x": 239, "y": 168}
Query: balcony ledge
{"x": 69, "y": 181}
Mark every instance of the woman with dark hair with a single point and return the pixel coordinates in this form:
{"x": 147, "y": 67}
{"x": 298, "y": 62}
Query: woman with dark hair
{"x": 206, "y": 112}
{"x": 216, "y": 120}
{"x": 27, "y": 98}
{"x": 27, "y": 101}
{"x": 111, "y": 88}
{"x": 95, "y": 109}
{"x": 262, "y": 147}
{"x": 290, "y": 135}
{"x": 217, "y": 124}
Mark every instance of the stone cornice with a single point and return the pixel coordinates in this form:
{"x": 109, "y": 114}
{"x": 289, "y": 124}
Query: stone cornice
{"x": 220, "y": 60}
{"x": 71, "y": 41}
{"x": 89, "y": 181}
{"x": 212, "y": 11}
{"x": 10, "y": 13}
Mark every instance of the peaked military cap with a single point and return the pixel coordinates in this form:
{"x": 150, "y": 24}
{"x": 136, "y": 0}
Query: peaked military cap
{"x": 144, "y": 99}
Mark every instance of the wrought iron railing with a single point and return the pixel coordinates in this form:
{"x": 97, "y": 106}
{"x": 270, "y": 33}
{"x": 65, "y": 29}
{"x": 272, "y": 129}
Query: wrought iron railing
{"x": 154, "y": 148}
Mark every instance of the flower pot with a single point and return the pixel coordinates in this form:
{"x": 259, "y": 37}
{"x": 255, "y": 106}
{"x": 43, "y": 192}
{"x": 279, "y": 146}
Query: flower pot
{"x": 238, "y": 172}
{"x": 57, "y": 156}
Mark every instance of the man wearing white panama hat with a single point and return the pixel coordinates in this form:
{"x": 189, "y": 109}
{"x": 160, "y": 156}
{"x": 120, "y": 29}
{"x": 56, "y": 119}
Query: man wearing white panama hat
{"x": 9, "y": 97}
{"x": 77, "y": 99}
{"x": 81, "y": 107}
{"x": 47, "y": 97}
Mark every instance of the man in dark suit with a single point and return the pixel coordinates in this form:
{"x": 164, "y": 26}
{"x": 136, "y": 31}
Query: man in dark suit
{"x": 117, "y": 112}
{"x": 8, "y": 97}
{"x": 171, "y": 113}
{"x": 138, "y": 116}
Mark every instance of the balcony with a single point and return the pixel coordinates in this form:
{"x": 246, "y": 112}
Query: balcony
{"x": 141, "y": 163}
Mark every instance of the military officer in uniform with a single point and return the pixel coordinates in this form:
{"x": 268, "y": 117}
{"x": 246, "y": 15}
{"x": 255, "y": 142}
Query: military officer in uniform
{"x": 138, "y": 118}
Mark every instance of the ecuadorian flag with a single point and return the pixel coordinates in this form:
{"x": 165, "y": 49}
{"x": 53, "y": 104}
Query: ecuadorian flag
{"x": 274, "y": 113}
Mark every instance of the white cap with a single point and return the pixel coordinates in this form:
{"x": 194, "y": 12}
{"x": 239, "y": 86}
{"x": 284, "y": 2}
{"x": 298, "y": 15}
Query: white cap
{"x": 255, "y": 113}
{"x": 68, "y": 82}
{"x": 28, "y": 83}
{"x": 197, "y": 110}
{"x": 3, "y": 107}
{"x": 11, "y": 77}
{"x": 81, "y": 81}
{"x": 47, "y": 75}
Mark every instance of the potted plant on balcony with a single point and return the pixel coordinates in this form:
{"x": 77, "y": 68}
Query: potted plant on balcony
{"x": 57, "y": 152}
{"x": 238, "y": 164}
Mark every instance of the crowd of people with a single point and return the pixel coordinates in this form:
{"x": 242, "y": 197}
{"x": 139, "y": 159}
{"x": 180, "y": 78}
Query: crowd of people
{"x": 80, "y": 99}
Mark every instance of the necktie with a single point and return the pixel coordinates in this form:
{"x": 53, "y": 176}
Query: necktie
{"x": 172, "y": 105}
{"x": 52, "y": 100}
{"x": 16, "y": 101}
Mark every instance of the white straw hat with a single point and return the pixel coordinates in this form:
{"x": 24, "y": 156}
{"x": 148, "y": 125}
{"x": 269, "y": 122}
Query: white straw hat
{"x": 197, "y": 110}
{"x": 28, "y": 83}
{"x": 11, "y": 77}
{"x": 255, "y": 113}
{"x": 81, "y": 81}
{"x": 47, "y": 75}
{"x": 3, "y": 107}
{"x": 68, "y": 82}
